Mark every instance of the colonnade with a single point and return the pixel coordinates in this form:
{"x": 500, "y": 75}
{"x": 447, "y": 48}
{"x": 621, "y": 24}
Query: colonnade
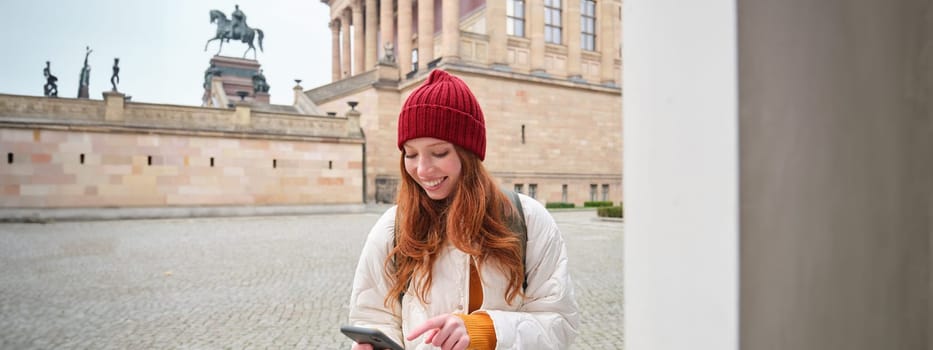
{"x": 366, "y": 50}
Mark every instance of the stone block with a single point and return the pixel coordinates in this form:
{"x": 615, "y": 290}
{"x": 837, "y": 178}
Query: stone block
{"x": 41, "y": 158}
{"x": 11, "y": 190}
{"x": 294, "y": 181}
{"x": 330, "y": 181}
{"x": 36, "y": 190}
{"x": 114, "y": 106}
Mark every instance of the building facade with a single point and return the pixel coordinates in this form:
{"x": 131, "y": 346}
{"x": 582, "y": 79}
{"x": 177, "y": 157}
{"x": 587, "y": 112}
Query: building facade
{"x": 546, "y": 73}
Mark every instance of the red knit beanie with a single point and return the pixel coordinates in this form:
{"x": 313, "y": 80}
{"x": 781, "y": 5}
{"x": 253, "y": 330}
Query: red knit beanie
{"x": 444, "y": 108}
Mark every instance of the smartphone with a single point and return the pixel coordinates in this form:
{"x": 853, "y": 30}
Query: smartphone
{"x": 374, "y": 337}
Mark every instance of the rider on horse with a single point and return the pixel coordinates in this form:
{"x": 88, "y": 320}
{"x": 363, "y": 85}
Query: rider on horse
{"x": 239, "y": 24}
{"x": 234, "y": 28}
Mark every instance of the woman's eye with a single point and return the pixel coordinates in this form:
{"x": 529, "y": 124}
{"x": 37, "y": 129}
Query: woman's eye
{"x": 441, "y": 155}
{"x": 410, "y": 156}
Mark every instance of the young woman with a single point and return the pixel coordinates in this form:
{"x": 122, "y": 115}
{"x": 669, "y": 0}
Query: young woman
{"x": 442, "y": 269}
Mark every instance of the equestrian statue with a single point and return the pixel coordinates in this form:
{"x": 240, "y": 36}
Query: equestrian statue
{"x": 235, "y": 29}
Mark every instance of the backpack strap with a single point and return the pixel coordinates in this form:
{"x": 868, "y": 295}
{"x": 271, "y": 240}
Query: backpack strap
{"x": 516, "y": 224}
{"x": 394, "y": 262}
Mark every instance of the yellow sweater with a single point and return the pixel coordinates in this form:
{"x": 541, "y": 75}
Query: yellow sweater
{"x": 479, "y": 325}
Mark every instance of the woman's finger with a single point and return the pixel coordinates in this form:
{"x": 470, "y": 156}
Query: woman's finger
{"x": 463, "y": 343}
{"x": 444, "y": 333}
{"x": 436, "y": 322}
{"x": 430, "y": 336}
{"x": 357, "y": 346}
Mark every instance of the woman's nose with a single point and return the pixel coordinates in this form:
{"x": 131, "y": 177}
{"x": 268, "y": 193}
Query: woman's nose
{"x": 424, "y": 165}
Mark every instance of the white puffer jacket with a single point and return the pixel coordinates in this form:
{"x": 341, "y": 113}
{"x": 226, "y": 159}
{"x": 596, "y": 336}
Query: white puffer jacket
{"x": 547, "y": 318}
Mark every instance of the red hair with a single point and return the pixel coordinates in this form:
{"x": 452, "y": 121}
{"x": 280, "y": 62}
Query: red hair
{"x": 472, "y": 218}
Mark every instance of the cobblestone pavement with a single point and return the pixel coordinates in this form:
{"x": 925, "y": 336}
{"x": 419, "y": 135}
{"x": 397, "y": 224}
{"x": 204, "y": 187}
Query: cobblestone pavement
{"x": 275, "y": 282}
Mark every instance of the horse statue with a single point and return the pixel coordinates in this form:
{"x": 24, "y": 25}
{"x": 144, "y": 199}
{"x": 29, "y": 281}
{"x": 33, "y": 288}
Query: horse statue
{"x": 234, "y": 29}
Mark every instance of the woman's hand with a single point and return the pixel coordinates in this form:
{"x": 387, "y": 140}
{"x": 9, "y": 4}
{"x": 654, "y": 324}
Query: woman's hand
{"x": 361, "y": 347}
{"x": 445, "y": 331}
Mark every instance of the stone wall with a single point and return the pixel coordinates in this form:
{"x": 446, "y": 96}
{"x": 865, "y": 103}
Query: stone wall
{"x": 550, "y": 134}
{"x": 63, "y": 153}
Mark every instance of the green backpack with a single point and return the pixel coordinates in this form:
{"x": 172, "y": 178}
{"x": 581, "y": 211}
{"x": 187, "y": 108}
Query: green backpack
{"x": 516, "y": 225}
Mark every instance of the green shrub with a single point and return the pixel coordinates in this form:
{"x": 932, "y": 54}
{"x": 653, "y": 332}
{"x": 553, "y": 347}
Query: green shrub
{"x": 553, "y": 205}
{"x": 611, "y": 212}
{"x": 590, "y": 204}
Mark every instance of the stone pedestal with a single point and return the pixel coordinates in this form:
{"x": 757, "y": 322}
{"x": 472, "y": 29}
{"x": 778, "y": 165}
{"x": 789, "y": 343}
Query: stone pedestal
{"x": 387, "y": 72}
{"x": 235, "y": 74}
{"x": 114, "y": 103}
{"x": 243, "y": 113}
{"x": 261, "y": 97}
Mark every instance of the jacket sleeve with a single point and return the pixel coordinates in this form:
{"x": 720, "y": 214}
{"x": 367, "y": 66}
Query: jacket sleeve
{"x": 370, "y": 285}
{"x": 549, "y": 316}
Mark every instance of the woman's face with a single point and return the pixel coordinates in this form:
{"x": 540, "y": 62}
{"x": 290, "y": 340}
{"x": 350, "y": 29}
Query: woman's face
{"x": 434, "y": 164}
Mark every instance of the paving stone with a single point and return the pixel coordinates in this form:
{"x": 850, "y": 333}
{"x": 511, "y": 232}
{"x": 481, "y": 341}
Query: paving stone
{"x": 232, "y": 283}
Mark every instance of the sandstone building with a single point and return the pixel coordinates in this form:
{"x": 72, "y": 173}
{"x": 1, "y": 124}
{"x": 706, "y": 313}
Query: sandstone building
{"x": 546, "y": 73}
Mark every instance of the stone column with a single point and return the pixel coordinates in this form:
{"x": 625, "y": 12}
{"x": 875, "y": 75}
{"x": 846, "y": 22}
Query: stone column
{"x": 425, "y": 33}
{"x": 535, "y": 17}
{"x": 371, "y": 33}
{"x": 495, "y": 28}
{"x": 335, "y": 50}
{"x": 607, "y": 30}
{"x": 358, "y": 49}
{"x": 386, "y": 26}
{"x": 404, "y": 37}
{"x": 345, "y": 58}
{"x": 574, "y": 42}
{"x": 450, "y": 29}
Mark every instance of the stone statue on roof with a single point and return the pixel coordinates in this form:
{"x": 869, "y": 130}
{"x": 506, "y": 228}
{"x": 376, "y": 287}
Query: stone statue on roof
{"x": 234, "y": 28}
{"x": 209, "y": 74}
{"x": 84, "y": 81}
{"x": 115, "y": 78}
{"x": 50, "y": 88}
{"x": 259, "y": 82}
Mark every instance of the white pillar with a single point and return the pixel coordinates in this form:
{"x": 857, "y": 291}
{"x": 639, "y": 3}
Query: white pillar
{"x": 425, "y": 33}
{"x": 345, "y": 30}
{"x": 404, "y": 36}
{"x": 681, "y": 166}
{"x": 386, "y": 26}
{"x": 335, "y": 50}
{"x": 358, "y": 40}
{"x": 371, "y": 29}
{"x": 450, "y": 29}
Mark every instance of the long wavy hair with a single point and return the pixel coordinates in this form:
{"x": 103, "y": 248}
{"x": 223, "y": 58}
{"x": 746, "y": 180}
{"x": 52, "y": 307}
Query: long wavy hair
{"x": 473, "y": 218}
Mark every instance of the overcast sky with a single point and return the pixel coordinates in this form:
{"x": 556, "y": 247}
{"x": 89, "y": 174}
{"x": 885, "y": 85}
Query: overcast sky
{"x": 160, "y": 45}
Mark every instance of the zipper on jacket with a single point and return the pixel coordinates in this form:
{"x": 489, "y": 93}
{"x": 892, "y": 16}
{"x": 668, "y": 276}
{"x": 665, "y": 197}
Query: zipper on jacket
{"x": 464, "y": 302}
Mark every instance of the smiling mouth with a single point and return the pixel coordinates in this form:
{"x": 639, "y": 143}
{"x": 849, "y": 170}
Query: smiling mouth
{"x": 433, "y": 184}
